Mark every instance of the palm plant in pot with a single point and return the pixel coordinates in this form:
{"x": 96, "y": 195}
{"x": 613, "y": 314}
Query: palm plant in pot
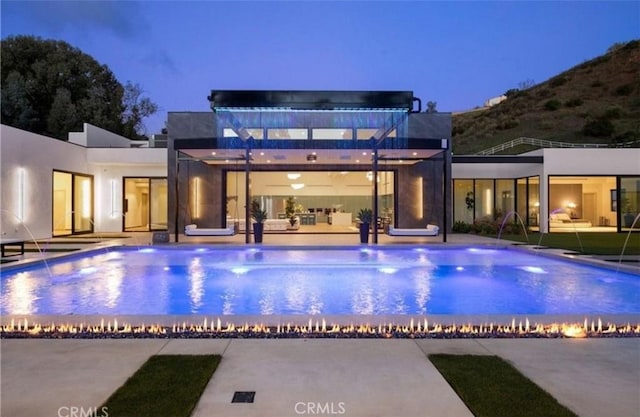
{"x": 290, "y": 212}
{"x": 259, "y": 216}
{"x": 365, "y": 216}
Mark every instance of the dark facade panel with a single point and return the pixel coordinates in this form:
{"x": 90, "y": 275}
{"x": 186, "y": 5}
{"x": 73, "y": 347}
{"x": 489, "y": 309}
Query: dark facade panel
{"x": 497, "y": 159}
{"x": 312, "y": 100}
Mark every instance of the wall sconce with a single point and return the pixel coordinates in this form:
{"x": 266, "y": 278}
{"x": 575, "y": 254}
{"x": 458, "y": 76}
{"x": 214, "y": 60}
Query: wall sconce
{"x": 86, "y": 199}
{"x": 114, "y": 204}
{"x": 419, "y": 207}
{"x": 20, "y": 206}
{"x": 195, "y": 198}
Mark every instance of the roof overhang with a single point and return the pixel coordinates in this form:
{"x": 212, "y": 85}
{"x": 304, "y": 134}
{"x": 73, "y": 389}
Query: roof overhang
{"x": 257, "y": 100}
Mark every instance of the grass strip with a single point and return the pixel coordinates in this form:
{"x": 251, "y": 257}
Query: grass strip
{"x": 491, "y": 387}
{"x": 593, "y": 243}
{"x": 165, "y": 385}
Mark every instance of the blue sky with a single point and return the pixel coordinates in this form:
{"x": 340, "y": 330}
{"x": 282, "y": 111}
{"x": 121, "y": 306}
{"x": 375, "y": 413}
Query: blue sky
{"x": 455, "y": 53}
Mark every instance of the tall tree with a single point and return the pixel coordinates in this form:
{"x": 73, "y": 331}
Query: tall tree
{"x": 136, "y": 108}
{"x": 50, "y": 87}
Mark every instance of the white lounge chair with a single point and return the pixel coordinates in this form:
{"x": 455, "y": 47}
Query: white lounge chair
{"x": 193, "y": 230}
{"x": 430, "y": 230}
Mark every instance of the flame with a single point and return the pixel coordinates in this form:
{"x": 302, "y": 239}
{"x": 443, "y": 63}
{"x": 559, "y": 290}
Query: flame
{"x": 320, "y": 328}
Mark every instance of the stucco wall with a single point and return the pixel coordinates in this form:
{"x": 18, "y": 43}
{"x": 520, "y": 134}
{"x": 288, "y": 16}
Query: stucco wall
{"x": 38, "y": 156}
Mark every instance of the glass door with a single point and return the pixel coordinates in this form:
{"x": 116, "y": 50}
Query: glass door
{"x": 145, "y": 204}
{"x": 72, "y": 203}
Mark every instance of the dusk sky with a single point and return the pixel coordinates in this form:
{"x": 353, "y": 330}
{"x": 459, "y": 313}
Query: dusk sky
{"x": 458, "y": 54}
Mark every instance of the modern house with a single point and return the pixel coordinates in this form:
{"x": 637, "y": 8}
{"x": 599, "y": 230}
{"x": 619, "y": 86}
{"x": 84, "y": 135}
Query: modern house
{"x": 333, "y": 152}
{"x": 324, "y": 148}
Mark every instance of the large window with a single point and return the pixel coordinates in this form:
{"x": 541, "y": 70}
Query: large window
{"x": 493, "y": 199}
{"x": 72, "y": 203}
{"x": 316, "y": 193}
{"x": 629, "y": 202}
{"x": 145, "y": 204}
{"x": 582, "y": 203}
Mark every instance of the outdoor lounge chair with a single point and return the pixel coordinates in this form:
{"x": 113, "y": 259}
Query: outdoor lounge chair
{"x": 193, "y": 230}
{"x": 430, "y": 230}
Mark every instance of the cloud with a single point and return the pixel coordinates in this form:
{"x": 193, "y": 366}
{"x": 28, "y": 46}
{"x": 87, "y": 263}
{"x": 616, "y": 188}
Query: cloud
{"x": 161, "y": 59}
{"x": 122, "y": 18}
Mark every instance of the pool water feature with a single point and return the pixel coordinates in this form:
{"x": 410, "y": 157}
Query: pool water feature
{"x": 317, "y": 281}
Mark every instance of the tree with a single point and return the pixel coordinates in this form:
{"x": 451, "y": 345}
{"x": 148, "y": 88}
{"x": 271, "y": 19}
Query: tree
{"x": 50, "y": 87}
{"x": 136, "y": 108}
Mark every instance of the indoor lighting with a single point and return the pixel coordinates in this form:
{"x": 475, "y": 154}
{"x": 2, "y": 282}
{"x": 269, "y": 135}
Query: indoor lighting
{"x": 293, "y": 175}
{"x": 297, "y": 186}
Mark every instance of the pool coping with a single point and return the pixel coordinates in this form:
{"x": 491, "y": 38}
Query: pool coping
{"x": 561, "y": 254}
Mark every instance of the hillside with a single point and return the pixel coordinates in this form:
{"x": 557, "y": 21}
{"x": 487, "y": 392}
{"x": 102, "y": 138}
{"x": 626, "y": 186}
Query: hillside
{"x": 597, "y": 101}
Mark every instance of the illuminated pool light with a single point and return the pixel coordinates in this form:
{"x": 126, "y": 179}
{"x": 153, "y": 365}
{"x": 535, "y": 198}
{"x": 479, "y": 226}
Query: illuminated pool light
{"x": 88, "y": 270}
{"x": 533, "y": 269}
{"x": 459, "y": 268}
{"x": 201, "y": 250}
{"x": 147, "y": 250}
{"x": 388, "y": 270}
{"x": 240, "y": 270}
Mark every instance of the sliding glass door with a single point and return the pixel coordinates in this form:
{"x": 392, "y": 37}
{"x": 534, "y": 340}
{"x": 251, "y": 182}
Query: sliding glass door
{"x": 145, "y": 204}
{"x": 72, "y": 203}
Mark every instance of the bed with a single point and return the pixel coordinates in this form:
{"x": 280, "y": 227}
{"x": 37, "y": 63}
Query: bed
{"x": 430, "y": 230}
{"x": 560, "y": 220}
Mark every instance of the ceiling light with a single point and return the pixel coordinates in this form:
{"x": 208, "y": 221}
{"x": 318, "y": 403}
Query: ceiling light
{"x": 297, "y": 186}
{"x": 261, "y": 153}
{"x": 213, "y": 153}
{"x": 415, "y": 153}
{"x": 293, "y": 175}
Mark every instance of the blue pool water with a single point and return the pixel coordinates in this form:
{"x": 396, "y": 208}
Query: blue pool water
{"x": 261, "y": 281}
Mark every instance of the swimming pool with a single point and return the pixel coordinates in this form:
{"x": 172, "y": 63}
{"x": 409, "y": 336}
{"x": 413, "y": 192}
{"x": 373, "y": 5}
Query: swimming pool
{"x": 265, "y": 281}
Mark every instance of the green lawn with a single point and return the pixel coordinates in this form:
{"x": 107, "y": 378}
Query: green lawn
{"x": 165, "y": 385}
{"x": 490, "y": 387}
{"x": 592, "y": 243}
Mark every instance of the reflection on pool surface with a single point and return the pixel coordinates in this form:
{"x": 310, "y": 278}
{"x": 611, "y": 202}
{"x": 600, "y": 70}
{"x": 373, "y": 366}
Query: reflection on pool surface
{"x": 207, "y": 280}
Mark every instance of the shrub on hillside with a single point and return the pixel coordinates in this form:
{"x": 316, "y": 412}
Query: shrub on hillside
{"x": 599, "y": 128}
{"x": 624, "y": 90}
{"x": 552, "y": 105}
{"x": 574, "y": 102}
{"x": 597, "y": 83}
{"x": 544, "y": 93}
{"x": 558, "y": 81}
{"x": 612, "y": 113}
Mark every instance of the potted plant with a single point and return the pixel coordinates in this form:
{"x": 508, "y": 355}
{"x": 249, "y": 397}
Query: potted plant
{"x": 627, "y": 217}
{"x": 290, "y": 212}
{"x": 259, "y": 216}
{"x": 365, "y": 217}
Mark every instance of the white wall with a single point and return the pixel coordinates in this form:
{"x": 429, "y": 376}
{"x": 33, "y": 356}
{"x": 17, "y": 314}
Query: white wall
{"x": 108, "y": 211}
{"x": 95, "y": 137}
{"x": 621, "y": 161}
{"x": 587, "y": 162}
{"x": 38, "y": 156}
{"x": 503, "y": 170}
